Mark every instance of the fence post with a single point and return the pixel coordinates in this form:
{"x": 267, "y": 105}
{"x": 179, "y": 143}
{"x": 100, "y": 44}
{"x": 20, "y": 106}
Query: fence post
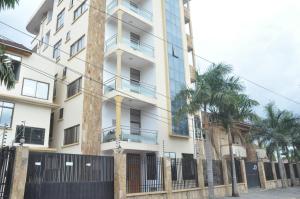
{"x": 19, "y": 173}
{"x": 168, "y": 177}
{"x": 243, "y": 173}
{"x": 225, "y": 171}
{"x": 262, "y": 175}
{"x": 274, "y": 170}
{"x": 119, "y": 174}
{"x": 292, "y": 175}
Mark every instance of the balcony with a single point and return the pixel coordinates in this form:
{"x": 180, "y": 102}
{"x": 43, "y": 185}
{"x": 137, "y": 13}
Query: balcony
{"x": 134, "y": 13}
{"x": 189, "y": 42}
{"x": 261, "y": 154}
{"x": 144, "y": 53}
{"x": 239, "y": 151}
{"x": 129, "y": 134}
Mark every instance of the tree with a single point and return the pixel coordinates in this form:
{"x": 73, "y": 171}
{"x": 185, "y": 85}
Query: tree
{"x": 208, "y": 87}
{"x": 7, "y": 76}
{"x": 274, "y": 132}
{"x": 8, "y": 4}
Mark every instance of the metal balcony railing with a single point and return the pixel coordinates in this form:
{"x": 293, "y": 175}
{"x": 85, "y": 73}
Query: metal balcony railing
{"x": 138, "y": 46}
{"x": 129, "y": 134}
{"x": 132, "y": 6}
{"x": 131, "y": 86}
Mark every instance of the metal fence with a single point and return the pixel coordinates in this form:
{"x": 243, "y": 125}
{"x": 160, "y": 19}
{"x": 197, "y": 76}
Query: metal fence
{"x": 60, "y": 176}
{"x": 184, "y": 173}
{"x": 218, "y": 172}
{"x": 7, "y": 158}
{"x": 237, "y": 170}
{"x": 287, "y": 170}
{"x": 268, "y": 171}
{"x": 144, "y": 174}
{"x": 295, "y": 171}
{"x": 277, "y": 171}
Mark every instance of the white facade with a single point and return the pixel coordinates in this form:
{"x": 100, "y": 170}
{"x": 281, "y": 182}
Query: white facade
{"x": 135, "y": 70}
{"x": 30, "y": 101}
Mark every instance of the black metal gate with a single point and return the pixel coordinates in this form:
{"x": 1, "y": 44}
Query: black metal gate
{"x": 68, "y": 176}
{"x": 252, "y": 174}
{"x": 7, "y": 159}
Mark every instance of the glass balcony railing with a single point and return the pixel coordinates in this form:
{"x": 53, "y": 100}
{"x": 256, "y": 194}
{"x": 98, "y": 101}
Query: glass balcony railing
{"x": 131, "y": 86}
{"x": 129, "y": 134}
{"x": 132, "y": 6}
{"x": 135, "y": 45}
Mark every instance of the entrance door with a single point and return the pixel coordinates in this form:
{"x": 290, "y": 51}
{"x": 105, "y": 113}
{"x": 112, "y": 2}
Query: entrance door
{"x": 133, "y": 173}
{"x": 252, "y": 174}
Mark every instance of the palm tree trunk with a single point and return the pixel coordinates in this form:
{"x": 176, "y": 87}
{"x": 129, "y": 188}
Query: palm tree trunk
{"x": 235, "y": 191}
{"x": 209, "y": 166}
{"x": 281, "y": 167}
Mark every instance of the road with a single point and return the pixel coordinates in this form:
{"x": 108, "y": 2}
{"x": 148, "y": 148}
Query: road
{"x": 289, "y": 193}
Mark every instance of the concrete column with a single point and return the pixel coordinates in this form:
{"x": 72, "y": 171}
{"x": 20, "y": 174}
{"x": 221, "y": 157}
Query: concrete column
{"x": 119, "y": 174}
{"x": 168, "y": 177}
{"x": 19, "y": 173}
{"x": 118, "y": 100}
{"x": 243, "y": 172}
{"x": 225, "y": 171}
{"x": 274, "y": 170}
{"x": 120, "y": 26}
{"x": 119, "y": 54}
{"x": 262, "y": 175}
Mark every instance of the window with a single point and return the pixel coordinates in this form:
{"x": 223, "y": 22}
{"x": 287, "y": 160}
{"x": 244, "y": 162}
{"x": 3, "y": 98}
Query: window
{"x": 68, "y": 36}
{"x": 135, "y": 121}
{"x": 171, "y": 155}
{"x": 6, "y": 113}
{"x": 135, "y": 39}
{"x": 74, "y": 87}
{"x": 188, "y": 167}
{"x": 64, "y": 75}
{"x": 59, "y": 2}
{"x": 54, "y": 86}
{"x": 36, "y": 89}
{"x": 61, "y": 113}
{"x": 15, "y": 63}
{"x": 60, "y": 20}
{"x": 77, "y": 46}
{"x": 71, "y": 3}
{"x": 49, "y": 16}
{"x": 46, "y": 39}
{"x": 32, "y": 135}
{"x": 80, "y": 10}
{"x": 56, "y": 50}
{"x": 71, "y": 135}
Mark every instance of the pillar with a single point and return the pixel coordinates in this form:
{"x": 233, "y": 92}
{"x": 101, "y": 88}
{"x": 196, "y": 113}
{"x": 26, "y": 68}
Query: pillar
{"x": 19, "y": 173}
{"x": 292, "y": 173}
{"x": 274, "y": 171}
{"x": 120, "y": 25}
{"x": 119, "y": 174}
{"x": 200, "y": 172}
{"x": 119, "y": 54}
{"x": 243, "y": 172}
{"x": 262, "y": 175}
{"x": 118, "y": 100}
{"x": 168, "y": 177}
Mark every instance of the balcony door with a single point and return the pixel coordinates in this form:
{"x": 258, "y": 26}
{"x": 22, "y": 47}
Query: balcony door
{"x": 135, "y": 78}
{"x": 135, "y": 40}
{"x": 135, "y": 122}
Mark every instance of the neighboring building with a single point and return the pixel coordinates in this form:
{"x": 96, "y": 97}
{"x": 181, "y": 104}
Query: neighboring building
{"x": 141, "y": 74}
{"x": 29, "y": 101}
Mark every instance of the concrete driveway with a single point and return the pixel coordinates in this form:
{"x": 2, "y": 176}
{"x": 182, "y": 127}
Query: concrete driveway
{"x": 289, "y": 193}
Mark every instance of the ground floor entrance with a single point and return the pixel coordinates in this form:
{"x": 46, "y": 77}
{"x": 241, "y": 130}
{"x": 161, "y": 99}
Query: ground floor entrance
{"x": 252, "y": 174}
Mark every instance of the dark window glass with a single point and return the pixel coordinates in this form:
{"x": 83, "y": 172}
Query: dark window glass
{"x": 188, "y": 167}
{"x": 60, "y": 20}
{"x": 80, "y": 10}
{"x": 61, "y": 113}
{"x": 32, "y": 135}
{"x": 151, "y": 166}
{"x": 71, "y": 135}
{"x": 74, "y": 87}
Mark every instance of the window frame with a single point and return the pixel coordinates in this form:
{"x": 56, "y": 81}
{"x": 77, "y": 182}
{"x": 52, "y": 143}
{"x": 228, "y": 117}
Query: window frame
{"x": 77, "y": 127}
{"x": 37, "y": 81}
{"x": 31, "y": 130}
{"x": 82, "y": 11}
{"x": 55, "y": 48}
{"x": 78, "y": 91}
{"x": 61, "y": 114}
{"x": 60, "y": 15}
{"x": 12, "y": 114}
{"x": 76, "y": 46}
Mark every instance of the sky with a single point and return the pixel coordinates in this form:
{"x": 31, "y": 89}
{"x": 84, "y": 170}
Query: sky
{"x": 259, "y": 38}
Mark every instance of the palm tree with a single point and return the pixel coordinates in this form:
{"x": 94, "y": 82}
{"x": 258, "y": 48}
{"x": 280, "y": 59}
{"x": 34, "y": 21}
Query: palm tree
{"x": 273, "y": 133}
{"x": 6, "y": 72}
{"x": 7, "y": 76}
{"x": 7, "y": 4}
{"x": 208, "y": 87}
{"x": 233, "y": 106}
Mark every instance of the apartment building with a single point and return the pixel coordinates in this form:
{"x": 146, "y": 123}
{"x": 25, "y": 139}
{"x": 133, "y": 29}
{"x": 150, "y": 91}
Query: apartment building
{"x": 120, "y": 64}
{"x": 25, "y": 109}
